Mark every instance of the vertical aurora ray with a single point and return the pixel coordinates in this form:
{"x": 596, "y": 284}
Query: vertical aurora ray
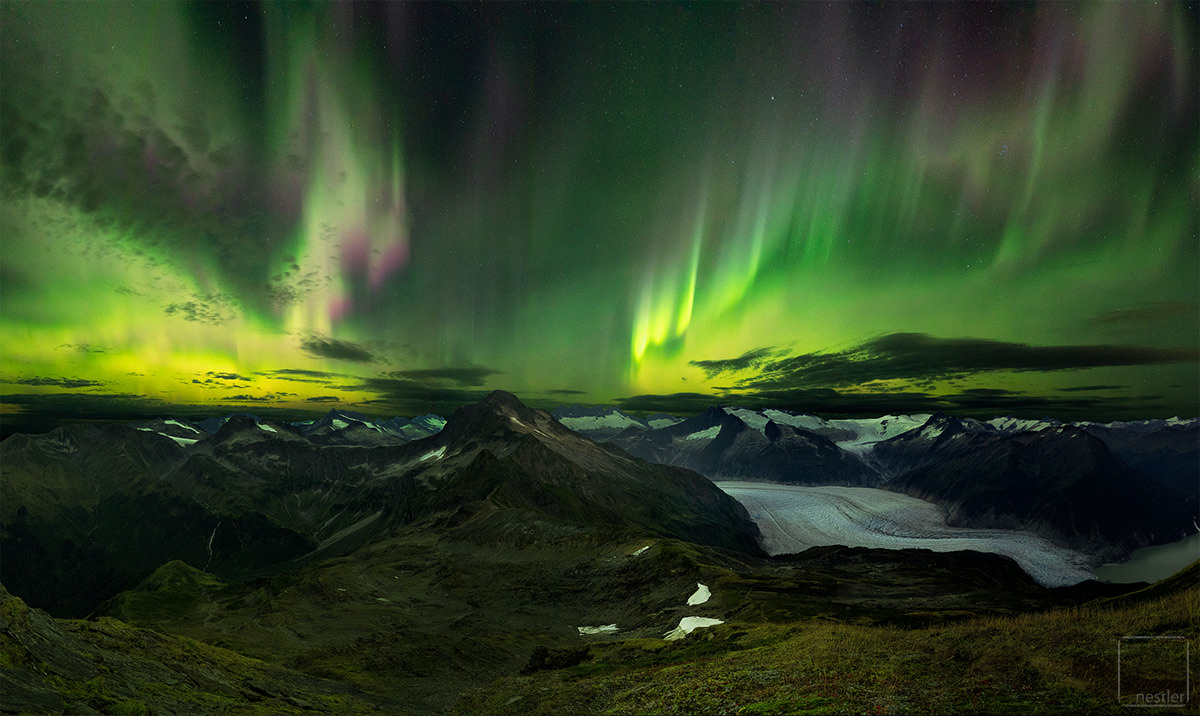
{"x": 667, "y": 299}
{"x": 335, "y": 142}
{"x": 979, "y": 199}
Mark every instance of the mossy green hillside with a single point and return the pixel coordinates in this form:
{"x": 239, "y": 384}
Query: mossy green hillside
{"x": 1059, "y": 661}
{"x": 53, "y": 666}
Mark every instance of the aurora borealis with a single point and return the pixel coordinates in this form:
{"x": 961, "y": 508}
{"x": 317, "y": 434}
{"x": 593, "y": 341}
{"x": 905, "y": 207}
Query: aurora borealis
{"x": 841, "y": 208}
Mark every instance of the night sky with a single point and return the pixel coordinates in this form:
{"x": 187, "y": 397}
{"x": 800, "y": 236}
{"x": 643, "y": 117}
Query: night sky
{"x": 845, "y": 209}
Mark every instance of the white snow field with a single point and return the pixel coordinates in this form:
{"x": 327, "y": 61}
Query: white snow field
{"x": 689, "y": 624}
{"x": 606, "y": 629}
{"x": 793, "y": 518}
{"x": 700, "y": 596}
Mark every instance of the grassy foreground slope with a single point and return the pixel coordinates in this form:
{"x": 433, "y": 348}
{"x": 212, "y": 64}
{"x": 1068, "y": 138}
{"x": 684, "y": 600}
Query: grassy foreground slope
{"x": 1058, "y": 661}
{"x": 55, "y": 666}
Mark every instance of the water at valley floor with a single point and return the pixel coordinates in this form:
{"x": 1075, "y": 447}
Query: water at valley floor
{"x": 1150, "y": 564}
{"x": 793, "y": 518}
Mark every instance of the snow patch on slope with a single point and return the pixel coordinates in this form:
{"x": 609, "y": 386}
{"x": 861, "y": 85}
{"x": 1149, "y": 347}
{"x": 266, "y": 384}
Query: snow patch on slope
{"x": 707, "y": 434}
{"x": 869, "y": 431}
{"x": 182, "y": 441}
{"x": 663, "y": 422}
{"x": 606, "y": 629}
{"x": 433, "y": 455}
{"x": 689, "y": 624}
{"x": 184, "y": 426}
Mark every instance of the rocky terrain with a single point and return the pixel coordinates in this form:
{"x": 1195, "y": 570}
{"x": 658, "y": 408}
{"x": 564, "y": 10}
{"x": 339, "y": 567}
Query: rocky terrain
{"x": 159, "y": 569}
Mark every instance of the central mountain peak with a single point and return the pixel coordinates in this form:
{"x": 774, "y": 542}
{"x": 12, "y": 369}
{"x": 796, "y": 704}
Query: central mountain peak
{"x": 498, "y": 413}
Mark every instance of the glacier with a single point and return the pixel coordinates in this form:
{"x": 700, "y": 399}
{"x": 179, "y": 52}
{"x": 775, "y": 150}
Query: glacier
{"x": 793, "y": 518}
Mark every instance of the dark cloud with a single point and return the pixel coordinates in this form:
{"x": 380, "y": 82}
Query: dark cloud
{"x": 983, "y": 403}
{"x": 39, "y": 413}
{"x": 268, "y": 398}
{"x": 563, "y": 391}
{"x": 284, "y": 373}
{"x": 827, "y": 401}
{"x": 676, "y": 403}
{"x": 1143, "y": 313}
{"x": 462, "y": 376}
{"x": 324, "y": 399}
{"x": 213, "y": 310}
{"x": 59, "y": 382}
{"x": 227, "y": 376}
{"x": 410, "y": 397}
{"x": 60, "y": 408}
{"x": 750, "y": 359}
{"x": 919, "y": 356}
{"x": 980, "y": 403}
{"x": 222, "y": 383}
{"x": 990, "y": 392}
{"x": 338, "y": 350}
{"x": 1080, "y": 388}
{"x": 83, "y": 348}
{"x": 299, "y": 375}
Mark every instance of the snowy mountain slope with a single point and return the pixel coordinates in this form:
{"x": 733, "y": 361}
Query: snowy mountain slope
{"x": 855, "y": 435}
{"x": 1009, "y": 425}
{"x": 720, "y": 444}
{"x": 597, "y": 422}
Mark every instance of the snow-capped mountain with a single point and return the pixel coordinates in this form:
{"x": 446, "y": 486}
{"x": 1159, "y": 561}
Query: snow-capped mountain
{"x": 1058, "y": 479}
{"x": 1010, "y": 425}
{"x": 739, "y": 444}
{"x": 416, "y": 428}
{"x": 855, "y": 436}
{"x": 256, "y": 494}
{"x": 342, "y": 427}
{"x": 213, "y": 424}
{"x": 597, "y": 422}
{"x": 1091, "y": 486}
{"x": 337, "y": 427}
{"x": 662, "y": 420}
{"x": 1167, "y": 449}
{"x": 181, "y": 431}
{"x": 1059, "y": 482}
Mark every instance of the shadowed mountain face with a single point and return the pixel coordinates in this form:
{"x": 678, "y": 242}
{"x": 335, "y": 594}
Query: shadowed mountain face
{"x": 1168, "y": 452}
{"x": 88, "y": 511}
{"x": 516, "y": 456}
{"x": 1060, "y": 482}
{"x": 723, "y": 447}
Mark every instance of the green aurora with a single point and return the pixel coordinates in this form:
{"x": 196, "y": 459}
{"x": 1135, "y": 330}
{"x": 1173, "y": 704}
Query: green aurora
{"x": 394, "y": 208}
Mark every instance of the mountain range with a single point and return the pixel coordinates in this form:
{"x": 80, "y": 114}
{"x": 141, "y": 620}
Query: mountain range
{"x": 1105, "y": 489}
{"x": 393, "y": 566}
{"x": 88, "y": 510}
